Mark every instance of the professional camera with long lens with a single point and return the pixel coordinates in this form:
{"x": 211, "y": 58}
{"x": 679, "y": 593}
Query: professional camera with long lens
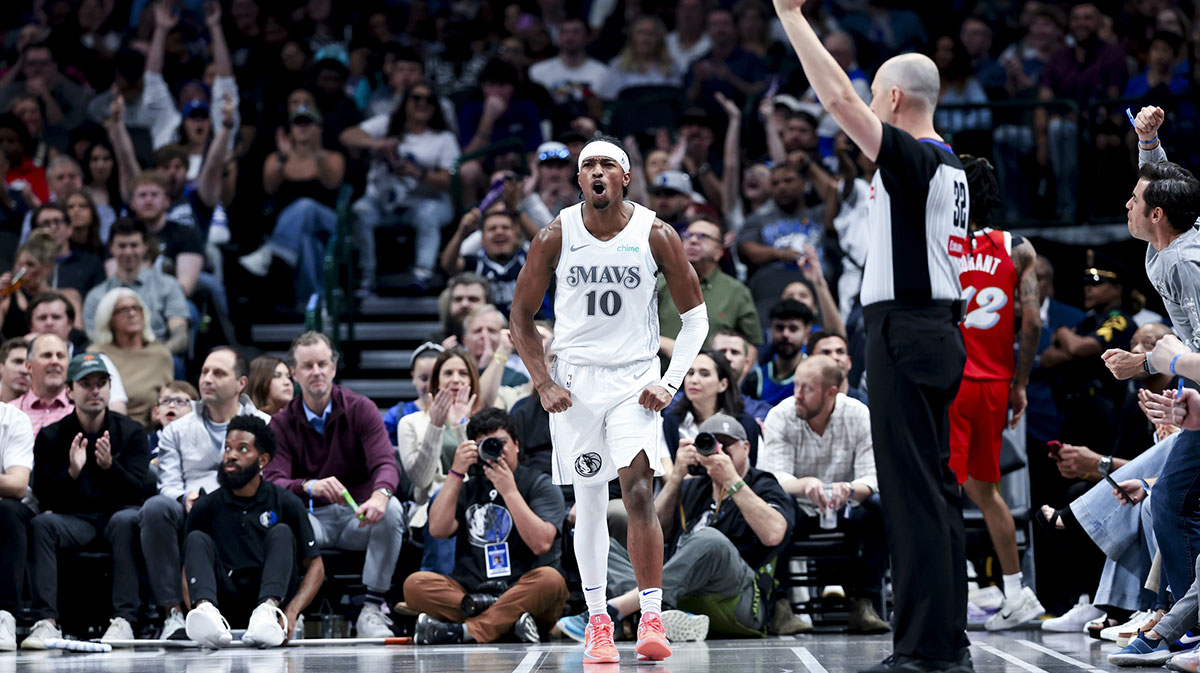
{"x": 706, "y": 445}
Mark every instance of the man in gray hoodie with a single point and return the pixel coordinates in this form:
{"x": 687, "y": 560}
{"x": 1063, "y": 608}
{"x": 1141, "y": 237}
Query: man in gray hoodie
{"x": 189, "y": 455}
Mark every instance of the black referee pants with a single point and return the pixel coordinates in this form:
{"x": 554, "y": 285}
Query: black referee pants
{"x": 915, "y": 360}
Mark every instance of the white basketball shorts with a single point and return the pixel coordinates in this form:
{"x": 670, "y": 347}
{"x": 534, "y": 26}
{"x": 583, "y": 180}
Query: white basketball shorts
{"x": 605, "y": 428}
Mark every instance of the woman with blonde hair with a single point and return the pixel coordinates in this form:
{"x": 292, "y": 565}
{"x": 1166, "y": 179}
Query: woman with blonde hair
{"x": 645, "y": 60}
{"x": 32, "y": 266}
{"x": 123, "y": 334}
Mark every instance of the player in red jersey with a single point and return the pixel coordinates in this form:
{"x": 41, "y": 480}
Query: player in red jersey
{"x": 998, "y": 272}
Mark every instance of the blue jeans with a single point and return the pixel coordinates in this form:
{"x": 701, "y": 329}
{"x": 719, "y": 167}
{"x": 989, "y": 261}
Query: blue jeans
{"x": 1125, "y": 534}
{"x": 438, "y": 556}
{"x": 426, "y": 216}
{"x": 1176, "y": 510}
{"x": 299, "y": 239}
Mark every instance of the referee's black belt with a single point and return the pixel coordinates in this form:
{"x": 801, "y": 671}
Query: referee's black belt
{"x": 953, "y": 308}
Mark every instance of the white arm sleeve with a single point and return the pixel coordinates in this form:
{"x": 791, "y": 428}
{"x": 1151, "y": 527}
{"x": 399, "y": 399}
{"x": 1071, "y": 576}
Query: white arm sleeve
{"x": 687, "y": 346}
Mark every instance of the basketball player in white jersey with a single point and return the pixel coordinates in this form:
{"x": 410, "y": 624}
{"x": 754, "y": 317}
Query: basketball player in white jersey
{"x": 604, "y": 391}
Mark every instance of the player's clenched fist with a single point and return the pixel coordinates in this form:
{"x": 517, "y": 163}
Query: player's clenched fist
{"x": 655, "y": 398}
{"x": 555, "y": 398}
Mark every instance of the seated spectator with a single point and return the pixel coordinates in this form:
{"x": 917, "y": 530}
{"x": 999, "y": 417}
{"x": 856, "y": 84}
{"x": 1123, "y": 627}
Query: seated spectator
{"x": 834, "y": 345}
{"x": 139, "y": 77}
{"x": 302, "y": 177}
{"x": 689, "y": 41}
{"x": 501, "y": 257}
{"x": 175, "y": 400}
{"x": 1160, "y": 79}
{"x": 167, "y": 313}
{"x": 575, "y": 81}
{"x": 487, "y": 339}
{"x": 74, "y": 269}
{"x": 708, "y": 389}
{"x": 103, "y": 186}
{"x": 497, "y": 116}
{"x": 719, "y": 558}
{"x": 270, "y": 386}
{"x": 413, "y": 153}
{"x": 49, "y": 398}
{"x": 87, "y": 227}
{"x": 729, "y": 302}
{"x": 402, "y": 67}
{"x": 18, "y": 146}
{"x": 420, "y": 367}
{"x": 332, "y": 443}
{"x": 818, "y": 444}
{"x": 29, "y": 277}
{"x": 16, "y": 511}
{"x": 259, "y": 564}
{"x": 727, "y": 68}
{"x": 976, "y": 37}
{"x": 551, "y": 184}
{"x": 465, "y": 292}
{"x": 959, "y": 86}
{"x": 791, "y": 325}
{"x": 15, "y": 199}
{"x": 189, "y": 467}
{"x": 39, "y": 77}
{"x": 124, "y": 335}
{"x": 520, "y": 522}
{"x": 53, "y": 313}
{"x": 741, "y": 357}
{"x": 180, "y": 251}
{"x": 645, "y": 61}
{"x": 14, "y": 375}
{"x": 92, "y": 472}
{"x": 776, "y": 237}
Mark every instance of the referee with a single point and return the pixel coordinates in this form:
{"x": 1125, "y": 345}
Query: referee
{"x": 917, "y": 224}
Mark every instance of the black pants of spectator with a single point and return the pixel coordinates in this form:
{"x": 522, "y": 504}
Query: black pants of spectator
{"x": 237, "y": 593}
{"x": 865, "y": 532}
{"x": 915, "y": 359}
{"x": 14, "y": 531}
{"x": 52, "y": 533}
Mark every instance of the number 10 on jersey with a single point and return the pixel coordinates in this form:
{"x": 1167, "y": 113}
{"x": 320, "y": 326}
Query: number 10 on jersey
{"x": 610, "y": 303}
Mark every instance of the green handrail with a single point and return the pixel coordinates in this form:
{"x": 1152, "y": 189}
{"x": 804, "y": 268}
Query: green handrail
{"x": 324, "y": 311}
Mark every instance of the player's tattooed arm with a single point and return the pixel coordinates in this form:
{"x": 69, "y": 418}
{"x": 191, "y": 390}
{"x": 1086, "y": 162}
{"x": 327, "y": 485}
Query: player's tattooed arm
{"x": 1024, "y": 258}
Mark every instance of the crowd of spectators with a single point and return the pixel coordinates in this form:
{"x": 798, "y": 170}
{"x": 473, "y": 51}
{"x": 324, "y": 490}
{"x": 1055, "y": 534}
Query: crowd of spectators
{"x": 161, "y": 158}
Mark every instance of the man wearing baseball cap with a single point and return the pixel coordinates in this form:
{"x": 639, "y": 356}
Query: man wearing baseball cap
{"x": 673, "y": 193}
{"x": 91, "y": 474}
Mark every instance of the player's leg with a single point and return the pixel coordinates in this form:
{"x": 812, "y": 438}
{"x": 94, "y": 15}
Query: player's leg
{"x": 645, "y": 536}
{"x": 591, "y": 543}
{"x": 996, "y": 515}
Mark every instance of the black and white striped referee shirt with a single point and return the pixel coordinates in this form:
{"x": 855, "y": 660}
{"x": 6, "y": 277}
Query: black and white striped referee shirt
{"x": 916, "y": 222}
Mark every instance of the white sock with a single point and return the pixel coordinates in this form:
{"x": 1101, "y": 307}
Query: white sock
{"x": 1012, "y": 585}
{"x": 591, "y": 544}
{"x": 651, "y": 600}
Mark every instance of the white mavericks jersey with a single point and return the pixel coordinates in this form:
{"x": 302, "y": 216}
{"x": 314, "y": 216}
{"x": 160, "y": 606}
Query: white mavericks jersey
{"x": 605, "y": 301}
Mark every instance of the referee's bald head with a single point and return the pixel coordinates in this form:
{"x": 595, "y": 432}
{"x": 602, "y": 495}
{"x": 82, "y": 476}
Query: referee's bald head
{"x": 905, "y": 84}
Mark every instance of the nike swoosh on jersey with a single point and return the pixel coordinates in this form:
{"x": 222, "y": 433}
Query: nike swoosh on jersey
{"x": 576, "y": 248}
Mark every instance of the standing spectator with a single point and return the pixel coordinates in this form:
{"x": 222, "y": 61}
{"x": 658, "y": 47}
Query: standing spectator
{"x": 414, "y": 152}
{"x": 124, "y": 335}
{"x": 270, "y": 386}
{"x": 646, "y": 60}
{"x": 48, "y": 400}
{"x": 302, "y": 177}
{"x": 266, "y": 539}
{"x": 818, "y": 444}
{"x": 522, "y": 515}
{"x": 330, "y": 434}
{"x": 167, "y": 310}
{"x": 689, "y": 41}
{"x": 14, "y": 375}
{"x": 791, "y": 323}
{"x": 729, "y": 302}
{"x": 726, "y": 68}
{"x": 189, "y": 465}
{"x": 92, "y": 472}
{"x": 776, "y": 236}
{"x": 16, "y": 467}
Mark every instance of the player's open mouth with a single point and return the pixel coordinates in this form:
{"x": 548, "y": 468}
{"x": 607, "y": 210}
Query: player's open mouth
{"x": 598, "y": 188}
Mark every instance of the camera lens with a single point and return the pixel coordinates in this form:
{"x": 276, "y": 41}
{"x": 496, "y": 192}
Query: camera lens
{"x": 706, "y": 444}
{"x": 491, "y": 448}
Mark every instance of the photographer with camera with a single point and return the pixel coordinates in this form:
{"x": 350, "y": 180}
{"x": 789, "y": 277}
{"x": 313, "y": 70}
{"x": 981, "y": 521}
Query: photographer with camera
{"x": 723, "y": 530}
{"x": 506, "y": 517}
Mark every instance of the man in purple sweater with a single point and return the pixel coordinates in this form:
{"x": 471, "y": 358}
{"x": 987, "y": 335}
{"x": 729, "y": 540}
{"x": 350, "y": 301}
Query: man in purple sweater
{"x": 333, "y": 442}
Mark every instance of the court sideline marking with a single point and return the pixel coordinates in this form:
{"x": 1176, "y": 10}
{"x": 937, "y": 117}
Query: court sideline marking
{"x": 529, "y": 662}
{"x": 810, "y": 662}
{"x": 1010, "y": 658}
{"x": 1057, "y": 655}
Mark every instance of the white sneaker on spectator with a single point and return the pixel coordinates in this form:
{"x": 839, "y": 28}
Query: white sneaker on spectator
{"x": 8, "y": 632}
{"x": 206, "y": 626}
{"x": 265, "y": 628}
{"x": 1016, "y": 611}
{"x": 174, "y": 625}
{"x": 372, "y": 623}
{"x": 684, "y": 626}
{"x": 257, "y": 262}
{"x": 1076, "y": 619}
{"x": 42, "y": 631}
{"x": 1136, "y": 621}
{"x": 118, "y": 629}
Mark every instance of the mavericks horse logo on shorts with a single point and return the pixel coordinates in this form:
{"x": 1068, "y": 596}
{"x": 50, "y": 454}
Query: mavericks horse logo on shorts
{"x": 588, "y": 464}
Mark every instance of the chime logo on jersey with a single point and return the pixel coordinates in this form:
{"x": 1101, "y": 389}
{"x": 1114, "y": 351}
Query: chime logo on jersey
{"x": 588, "y": 464}
{"x": 629, "y": 276}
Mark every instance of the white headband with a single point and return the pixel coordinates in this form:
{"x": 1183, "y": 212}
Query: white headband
{"x": 601, "y": 148}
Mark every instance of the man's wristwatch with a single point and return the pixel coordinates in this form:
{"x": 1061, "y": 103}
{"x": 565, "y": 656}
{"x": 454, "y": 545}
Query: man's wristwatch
{"x": 1146, "y": 365}
{"x": 1104, "y": 466}
{"x": 387, "y": 492}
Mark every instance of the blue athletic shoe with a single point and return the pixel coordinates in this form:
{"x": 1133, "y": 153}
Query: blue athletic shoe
{"x": 574, "y": 626}
{"x": 1142, "y": 651}
{"x": 1187, "y": 643}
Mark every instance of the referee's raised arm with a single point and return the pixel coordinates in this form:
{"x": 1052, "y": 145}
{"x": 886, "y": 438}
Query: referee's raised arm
{"x": 831, "y": 83}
